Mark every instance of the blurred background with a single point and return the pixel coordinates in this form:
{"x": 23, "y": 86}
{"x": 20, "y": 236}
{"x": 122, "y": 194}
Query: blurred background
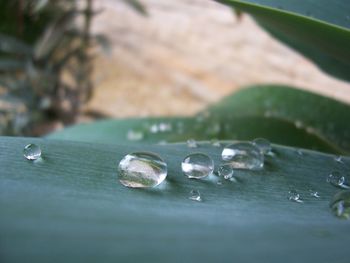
{"x": 64, "y": 62}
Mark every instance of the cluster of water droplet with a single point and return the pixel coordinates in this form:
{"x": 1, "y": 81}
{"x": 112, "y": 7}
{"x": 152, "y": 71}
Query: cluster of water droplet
{"x": 146, "y": 169}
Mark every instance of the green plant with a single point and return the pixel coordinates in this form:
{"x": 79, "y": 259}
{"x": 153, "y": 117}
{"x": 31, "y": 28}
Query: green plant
{"x": 45, "y": 64}
{"x": 70, "y": 204}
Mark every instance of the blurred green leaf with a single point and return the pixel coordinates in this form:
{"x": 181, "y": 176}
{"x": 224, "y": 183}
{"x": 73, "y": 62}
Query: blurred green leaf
{"x": 53, "y": 34}
{"x": 281, "y": 114}
{"x": 13, "y": 45}
{"x": 70, "y": 205}
{"x": 8, "y": 65}
{"x": 137, "y": 6}
{"x": 319, "y": 29}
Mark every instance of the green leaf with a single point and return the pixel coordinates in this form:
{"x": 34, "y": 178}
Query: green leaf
{"x": 319, "y": 29}
{"x": 70, "y": 205}
{"x": 281, "y": 114}
{"x": 13, "y": 45}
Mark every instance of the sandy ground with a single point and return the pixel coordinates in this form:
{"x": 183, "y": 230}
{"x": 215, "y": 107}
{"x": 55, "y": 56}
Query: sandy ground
{"x": 187, "y": 54}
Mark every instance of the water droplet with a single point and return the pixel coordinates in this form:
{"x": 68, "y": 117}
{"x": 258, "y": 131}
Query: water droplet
{"x": 133, "y": 135}
{"x": 192, "y": 143}
{"x": 215, "y": 143}
{"x": 294, "y": 196}
{"x": 310, "y": 130}
{"x": 154, "y": 128}
{"x": 160, "y": 127}
{"x": 263, "y": 144}
{"x": 340, "y": 204}
{"x": 338, "y": 159}
{"x": 299, "y": 124}
{"x": 32, "y": 152}
{"x": 195, "y": 196}
{"x": 243, "y": 155}
{"x": 337, "y": 179}
{"x": 197, "y": 165}
{"x": 300, "y": 152}
{"x": 225, "y": 171}
{"x": 314, "y": 194}
{"x": 142, "y": 169}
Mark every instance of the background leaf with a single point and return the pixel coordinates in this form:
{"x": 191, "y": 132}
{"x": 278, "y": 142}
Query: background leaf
{"x": 281, "y": 114}
{"x": 319, "y": 29}
{"x": 71, "y": 206}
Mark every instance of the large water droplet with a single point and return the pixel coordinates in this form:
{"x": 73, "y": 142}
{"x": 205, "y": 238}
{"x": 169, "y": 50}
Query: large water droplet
{"x": 337, "y": 179}
{"x": 133, "y": 135}
{"x": 142, "y": 169}
{"x": 340, "y": 204}
{"x": 225, "y": 171}
{"x": 195, "y": 195}
{"x": 197, "y": 165}
{"x": 295, "y": 196}
{"x": 263, "y": 144}
{"x": 192, "y": 143}
{"x": 243, "y": 155}
{"x": 32, "y": 152}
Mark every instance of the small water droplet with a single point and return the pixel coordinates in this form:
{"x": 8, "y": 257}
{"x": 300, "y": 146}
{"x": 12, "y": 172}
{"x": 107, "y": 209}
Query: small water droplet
{"x": 340, "y": 204}
{"x": 310, "y": 130}
{"x": 314, "y": 194}
{"x": 133, "y": 135}
{"x": 225, "y": 171}
{"x": 300, "y": 152}
{"x": 163, "y": 142}
{"x": 335, "y": 178}
{"x": 197, "y": 165}
{"x": 141, "y": 170}
{"x": 195, "y": 196}
{"x": 32, "y": 152}
{"x": 299, "y": 124}
{"x": 243, "y": 155}
{"x": 192, "y": 143}
{"x": 294, "y": 196}
{"x": 263, "y": 144}
{"x": 215, "y": 143}
{"x": 338, "y": 159}
{"x": 160, "y": 127}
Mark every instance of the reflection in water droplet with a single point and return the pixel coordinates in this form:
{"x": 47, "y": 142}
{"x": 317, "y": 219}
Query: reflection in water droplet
{"x": 295, "y": 196}
{"x": 192, "y": 143}
{"x": 133, "y": 135}
{"x": 340, "y": 204}
{"x": 32, "y": 152}
{"x": 141, "y": 170}
{"x": 225, "y": 171}
{"x": 197, "y": 165}
{"x": 195, "y": 196}
{"x": 243, "y": 155}
{"x": 335, "y": 178}
{"x": 263, "y": 144}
